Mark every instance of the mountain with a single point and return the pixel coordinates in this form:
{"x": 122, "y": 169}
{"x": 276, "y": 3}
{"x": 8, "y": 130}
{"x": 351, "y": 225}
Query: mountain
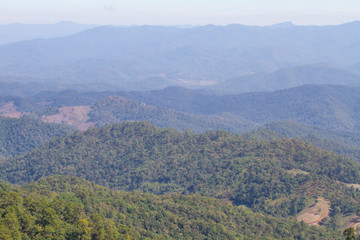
{"x": 154, "y": 56}
{"x": 282, "y": 178}
{"x": 115, "y": 109}
{"x": 326, "y": 106}
{"x": 71, "y": 208}
{"x": 20, "y": 32}
{"x": 289, "y": 78}
{"x": 329, "y": 107}
{"x": 177, "y": 98}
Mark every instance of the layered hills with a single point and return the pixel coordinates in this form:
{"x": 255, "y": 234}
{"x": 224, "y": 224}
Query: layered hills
{"x": 325, "y": 115}
{"x": 281, "y": 177}
{"x": 331, "y": 107}
{"x": 289, "y": 78}
{"x": 116, "y": 109}
{"x": 155, "y": 57}
{"x": 293, "y": 176}
{"x": 326, "y": 106}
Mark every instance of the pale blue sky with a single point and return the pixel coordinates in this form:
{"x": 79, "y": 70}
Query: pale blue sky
{"x": 176, "y": 12}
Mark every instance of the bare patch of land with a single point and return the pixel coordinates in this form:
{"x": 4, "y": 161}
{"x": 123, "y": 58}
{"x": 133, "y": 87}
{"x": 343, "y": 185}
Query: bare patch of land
{"x": 76, "y": 116}
{"x": 352, "y": 185}
{"x": 352, "y": 221}
{"x": 314, "y": 214}
{"x": 9, "y": 110}
{"x": 297, "y": 171}
{"x": 276, "y": 201}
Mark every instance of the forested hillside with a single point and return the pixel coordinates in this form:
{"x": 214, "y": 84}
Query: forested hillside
{"x": 279, "y": 177}
{"x": 326, "y": 106}
{"x": 19, "y": 136}
{"x": 194, "y": 132}
{"x": 327, "y": 116}
{"x": 116, "y": 109}
{"x": 70, "y": 208}
{"x": 340, "y": 142}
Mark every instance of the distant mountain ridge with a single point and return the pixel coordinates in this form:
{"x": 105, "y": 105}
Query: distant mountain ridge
{"x": 156, "y": 57}
{"x": 289, "y": 78}
{"x": 20, "y": 32}
{"x": 115, "y": 109}
{"x": 326, "y": 106}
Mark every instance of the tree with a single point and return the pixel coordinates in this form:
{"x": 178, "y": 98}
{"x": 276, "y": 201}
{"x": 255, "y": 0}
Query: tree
{"x": 83, "y": 230}
{"x": 97, "y": 230}
{"x": 349, "y": 233}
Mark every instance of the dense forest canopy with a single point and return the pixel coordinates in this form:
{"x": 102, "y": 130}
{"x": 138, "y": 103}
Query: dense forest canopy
{"x": 139, "y": 156}
{"x": 22, "y": 135}
{"x": 71, "y": 208}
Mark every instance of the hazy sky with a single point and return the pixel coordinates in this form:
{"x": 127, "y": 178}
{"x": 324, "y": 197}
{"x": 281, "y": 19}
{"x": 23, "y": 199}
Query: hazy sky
{"x": 171, "y": 12}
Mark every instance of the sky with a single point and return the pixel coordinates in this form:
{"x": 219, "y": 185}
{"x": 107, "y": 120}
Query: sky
{"x": 180, "y": 12}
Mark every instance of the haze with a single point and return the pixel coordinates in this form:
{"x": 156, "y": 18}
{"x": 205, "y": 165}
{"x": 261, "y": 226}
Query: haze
{"x": 161, "y": 12}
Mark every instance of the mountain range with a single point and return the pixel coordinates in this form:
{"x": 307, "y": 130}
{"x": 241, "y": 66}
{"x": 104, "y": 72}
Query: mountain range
{"x": 330, "y": 107}
{"x": 201, "y": 132}
{"x": 155, "y": 57}
{"x": 325, "y": 106}
{"x": 289, "y": 78}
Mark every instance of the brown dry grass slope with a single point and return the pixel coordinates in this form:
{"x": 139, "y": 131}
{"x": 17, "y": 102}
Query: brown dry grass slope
{"x": 76, "y": 116}
{"x": 314, "y": 214}
{"x": 9, "y": 110}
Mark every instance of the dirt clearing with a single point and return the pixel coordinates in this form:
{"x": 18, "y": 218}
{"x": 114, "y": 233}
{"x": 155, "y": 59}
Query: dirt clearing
{"x": 76, "y": 116}
{"x": 314, "y": 214}
{"x": 297, "y": 171}
{"x": 9, "y": 110}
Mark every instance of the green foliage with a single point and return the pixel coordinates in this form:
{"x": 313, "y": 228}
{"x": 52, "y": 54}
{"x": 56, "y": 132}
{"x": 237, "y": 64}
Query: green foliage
{"x": 29, "y": 214}
{"x": 340, "y": 142}
{"x": 139, "y": 156}
{"x": 22, "y": 135}
{"x": 176, "y": 216}
{"x": 115, "y": 109}
{"x": 349, "y": 233}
